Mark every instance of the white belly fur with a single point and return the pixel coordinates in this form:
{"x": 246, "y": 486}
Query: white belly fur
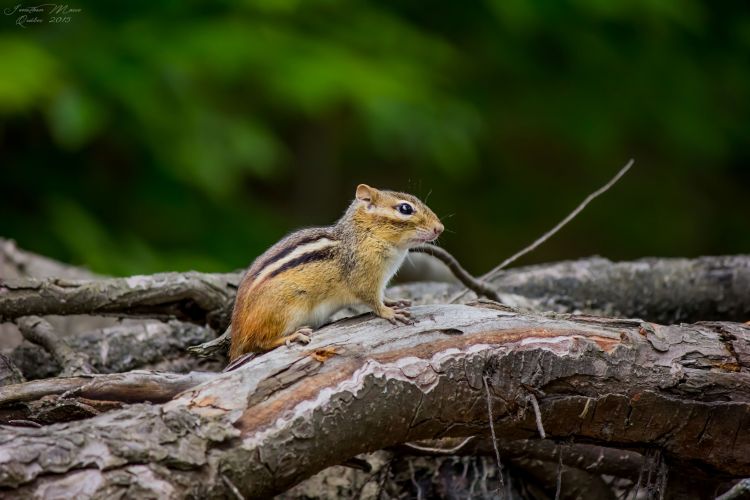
{"x": 393, "y": 267}
{"x": 314, "y": 318}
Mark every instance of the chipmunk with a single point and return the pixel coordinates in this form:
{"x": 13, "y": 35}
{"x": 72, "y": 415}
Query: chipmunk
{"x": 299, "y": 282}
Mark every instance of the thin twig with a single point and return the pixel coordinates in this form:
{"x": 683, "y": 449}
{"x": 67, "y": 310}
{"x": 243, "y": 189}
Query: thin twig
{"x": 491, "y": 274}
{"x": 481, "y": 288}
{"x": 232, "y": 488}
{"x": 537, "y": 415}
{"x": 640, "y": 478}
{"x": 386, "y": 470}
{"x": 558, "y": 487}
{"x": 563, "y": 222}
{"x": 662, "y": 478}
{"x": 494, "y": 438}
{"x": 24, "y": 423}
{"x": 439, "y": 451}
{"x": 414, "y": 481}
{"x": 585, "y": 408}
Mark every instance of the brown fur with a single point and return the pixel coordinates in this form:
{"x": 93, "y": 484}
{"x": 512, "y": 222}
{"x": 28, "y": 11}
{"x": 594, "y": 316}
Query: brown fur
{"x": 279, "y": 294}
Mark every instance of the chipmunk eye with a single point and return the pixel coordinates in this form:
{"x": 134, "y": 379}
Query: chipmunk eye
{"x": 405, "y": 208}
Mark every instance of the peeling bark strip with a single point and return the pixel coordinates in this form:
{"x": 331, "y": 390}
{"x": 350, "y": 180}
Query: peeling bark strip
{"x": 286, "y": 415}
{"x": 661, "y": 290}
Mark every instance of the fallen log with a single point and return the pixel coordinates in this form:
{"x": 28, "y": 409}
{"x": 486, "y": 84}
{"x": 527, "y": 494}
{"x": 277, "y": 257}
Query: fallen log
{"x": 661, "y": 290}
{"x": 363, "y": 385}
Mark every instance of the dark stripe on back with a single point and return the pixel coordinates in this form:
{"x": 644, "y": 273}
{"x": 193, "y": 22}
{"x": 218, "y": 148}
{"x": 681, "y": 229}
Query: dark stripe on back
{"x": 286, "y": 251}
{"x": 322, "y": 254}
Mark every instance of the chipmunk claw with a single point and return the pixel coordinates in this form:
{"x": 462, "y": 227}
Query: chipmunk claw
{"x": 302, "y": 335}
{"x": 401, "y": 316}
{"x": 405, "y": 318}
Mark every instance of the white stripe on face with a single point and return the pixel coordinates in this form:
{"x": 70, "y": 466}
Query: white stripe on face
{"x": 311, "y": 246}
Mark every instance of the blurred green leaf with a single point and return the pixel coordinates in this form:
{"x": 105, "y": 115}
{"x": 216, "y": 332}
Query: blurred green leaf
{"x": 28, "y": 74}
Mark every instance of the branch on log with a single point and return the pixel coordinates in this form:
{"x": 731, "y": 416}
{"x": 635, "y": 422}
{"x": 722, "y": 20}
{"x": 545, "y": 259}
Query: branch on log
{"x": 134, "y": 386}
{"x": 363, "y": 384}
{"x": 126, "y": 346}
{"x": 40, "y": 332}
{"x": 197, "y": 297}
{"x": 662, "y": 290}
{"x": 16, "y": 263}
{"x": 479, "y": 287}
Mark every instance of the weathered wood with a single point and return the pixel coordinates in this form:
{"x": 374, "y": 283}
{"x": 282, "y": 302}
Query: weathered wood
{"x": 134, "y": 386}
{"x": 363, "y": 384}
{"x": 9, "y": 372}
{"x": 126, "y": 346}
{"x": 40, "y": 332}
{"x": 662, "y": 290}
{"x": 199, "y": 297}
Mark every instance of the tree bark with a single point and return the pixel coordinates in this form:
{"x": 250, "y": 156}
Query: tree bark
{"x": 363, "y": 384}
{"x": 661, "y": 290}
{"x": 197, "y": 297}
{"x": 126, "y": 346}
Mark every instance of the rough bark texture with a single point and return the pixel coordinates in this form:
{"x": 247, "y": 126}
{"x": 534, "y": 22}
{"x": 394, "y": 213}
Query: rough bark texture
{"x": 40, "y": 332}
{"x": 198, "y": 297}
{"x": 119, "y": 348}
{"x": 661, "y": 290}
{"x": 363, "y": 384}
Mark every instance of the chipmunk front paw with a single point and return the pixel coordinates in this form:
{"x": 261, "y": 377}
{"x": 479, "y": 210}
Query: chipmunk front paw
{"x": 396, "y": 315}
{"x": 302, "y": 335}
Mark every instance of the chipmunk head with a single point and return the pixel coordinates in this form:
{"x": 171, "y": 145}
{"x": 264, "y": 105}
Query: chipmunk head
{"x": 399, "y": 218}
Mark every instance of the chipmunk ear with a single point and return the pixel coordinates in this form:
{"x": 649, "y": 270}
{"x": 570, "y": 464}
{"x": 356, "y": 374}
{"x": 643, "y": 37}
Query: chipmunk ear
{"x": 366, "y": 193}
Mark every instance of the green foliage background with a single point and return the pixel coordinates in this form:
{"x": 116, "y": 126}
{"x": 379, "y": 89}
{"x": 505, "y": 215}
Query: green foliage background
{"x": 149, "y": 136}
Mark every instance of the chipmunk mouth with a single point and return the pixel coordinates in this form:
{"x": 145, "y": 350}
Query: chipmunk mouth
{"x": 424, "y": 237}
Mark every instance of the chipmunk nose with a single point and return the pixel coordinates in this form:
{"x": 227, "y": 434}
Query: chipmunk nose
{"x": 438, "y": 229}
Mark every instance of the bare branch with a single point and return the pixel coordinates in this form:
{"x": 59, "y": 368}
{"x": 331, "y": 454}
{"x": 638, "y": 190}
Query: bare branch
{"x": 218, "y": 346}
{"x": 125, "y": 346}
{"x": 492, "y": 273}
{"x": 537, "y": 416}
{"x": 491, "y": 420}
{"x": 40, "y": 332}
{"x": 134, "y": 386}
{"x": 664, "y": 290}
{"x": 479, "y": 287}
{"x": 563, "y": 222}
{"x": 196, "y": 297}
